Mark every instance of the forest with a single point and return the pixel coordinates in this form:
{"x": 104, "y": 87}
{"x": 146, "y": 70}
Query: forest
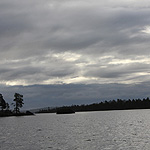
{"x": 118, "y": 104}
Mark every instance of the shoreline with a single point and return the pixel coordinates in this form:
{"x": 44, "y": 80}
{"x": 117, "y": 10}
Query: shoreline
{"x": 27, "y": 113}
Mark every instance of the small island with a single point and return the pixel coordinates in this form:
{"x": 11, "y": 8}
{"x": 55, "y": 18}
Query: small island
{"x": 64, "y": 111}
{"x": 18, "y": 103}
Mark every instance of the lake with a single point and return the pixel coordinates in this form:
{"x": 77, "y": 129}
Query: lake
{"x": 103, "y": 130}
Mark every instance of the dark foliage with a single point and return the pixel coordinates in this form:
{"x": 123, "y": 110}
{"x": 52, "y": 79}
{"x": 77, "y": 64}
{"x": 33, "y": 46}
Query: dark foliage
{"x": 106, "y": 105}
{"x": 2, "y": 102}
{"x": 5, "y": 112}
{"x": 18, "y": 102}
{"x": 27, "y": 113}
{"x": 65, "y": 111}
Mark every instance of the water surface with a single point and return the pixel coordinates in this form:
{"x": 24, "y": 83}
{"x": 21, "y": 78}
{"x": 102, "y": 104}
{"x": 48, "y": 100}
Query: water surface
{"x": 104, "y": 130}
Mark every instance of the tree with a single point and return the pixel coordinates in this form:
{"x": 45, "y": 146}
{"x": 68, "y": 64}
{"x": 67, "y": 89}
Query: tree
{"x": 2, "y": 102}
{"x": 18, "y": 102}
{"x": 7, "y": 106}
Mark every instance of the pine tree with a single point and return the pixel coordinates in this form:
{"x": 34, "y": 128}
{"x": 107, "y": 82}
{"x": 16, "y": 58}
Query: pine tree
{"x": 18, "y": 102}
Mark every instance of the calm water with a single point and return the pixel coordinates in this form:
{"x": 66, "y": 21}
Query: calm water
{"x": 108, "y": 130}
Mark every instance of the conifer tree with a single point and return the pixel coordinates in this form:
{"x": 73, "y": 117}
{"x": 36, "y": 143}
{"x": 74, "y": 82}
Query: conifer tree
{"x": 2, "y": 102}
{"x": 18, "y": 102}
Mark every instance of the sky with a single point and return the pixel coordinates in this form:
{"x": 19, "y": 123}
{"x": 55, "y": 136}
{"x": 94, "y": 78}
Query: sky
{"x": 65, "y": 52}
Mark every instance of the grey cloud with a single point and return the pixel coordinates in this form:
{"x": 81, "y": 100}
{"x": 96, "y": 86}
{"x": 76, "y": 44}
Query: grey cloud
{"x": 12, "y": 74}
{"x": 36, "y": 69}
{"x": 115, "y": 71}
{"x": 31, "y": 32}
{"x": 42, "y": 28}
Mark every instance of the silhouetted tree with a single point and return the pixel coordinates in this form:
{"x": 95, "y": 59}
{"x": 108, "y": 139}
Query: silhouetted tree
{"x": 2, "y": 102}
{"x": 18, "y": 102}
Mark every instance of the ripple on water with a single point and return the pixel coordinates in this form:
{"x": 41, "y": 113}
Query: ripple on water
{"x": 108, "y": 130}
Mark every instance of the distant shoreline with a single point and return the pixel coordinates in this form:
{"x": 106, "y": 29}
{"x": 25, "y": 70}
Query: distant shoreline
{"x": 104, "y": 106}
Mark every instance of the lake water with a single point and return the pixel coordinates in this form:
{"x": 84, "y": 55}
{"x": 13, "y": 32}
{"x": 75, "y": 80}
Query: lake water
{"x": 105, "y": 130}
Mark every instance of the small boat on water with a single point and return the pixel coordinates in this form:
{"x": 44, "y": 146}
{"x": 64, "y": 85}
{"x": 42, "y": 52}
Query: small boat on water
{"x": 64, "y": 111}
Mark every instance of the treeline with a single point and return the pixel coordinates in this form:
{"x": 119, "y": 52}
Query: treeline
{"x": 118, "y": 104}
{"x": 17, "y": 104}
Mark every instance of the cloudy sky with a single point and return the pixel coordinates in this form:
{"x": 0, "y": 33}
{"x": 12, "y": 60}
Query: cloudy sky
{"x": 63, "y": 52}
